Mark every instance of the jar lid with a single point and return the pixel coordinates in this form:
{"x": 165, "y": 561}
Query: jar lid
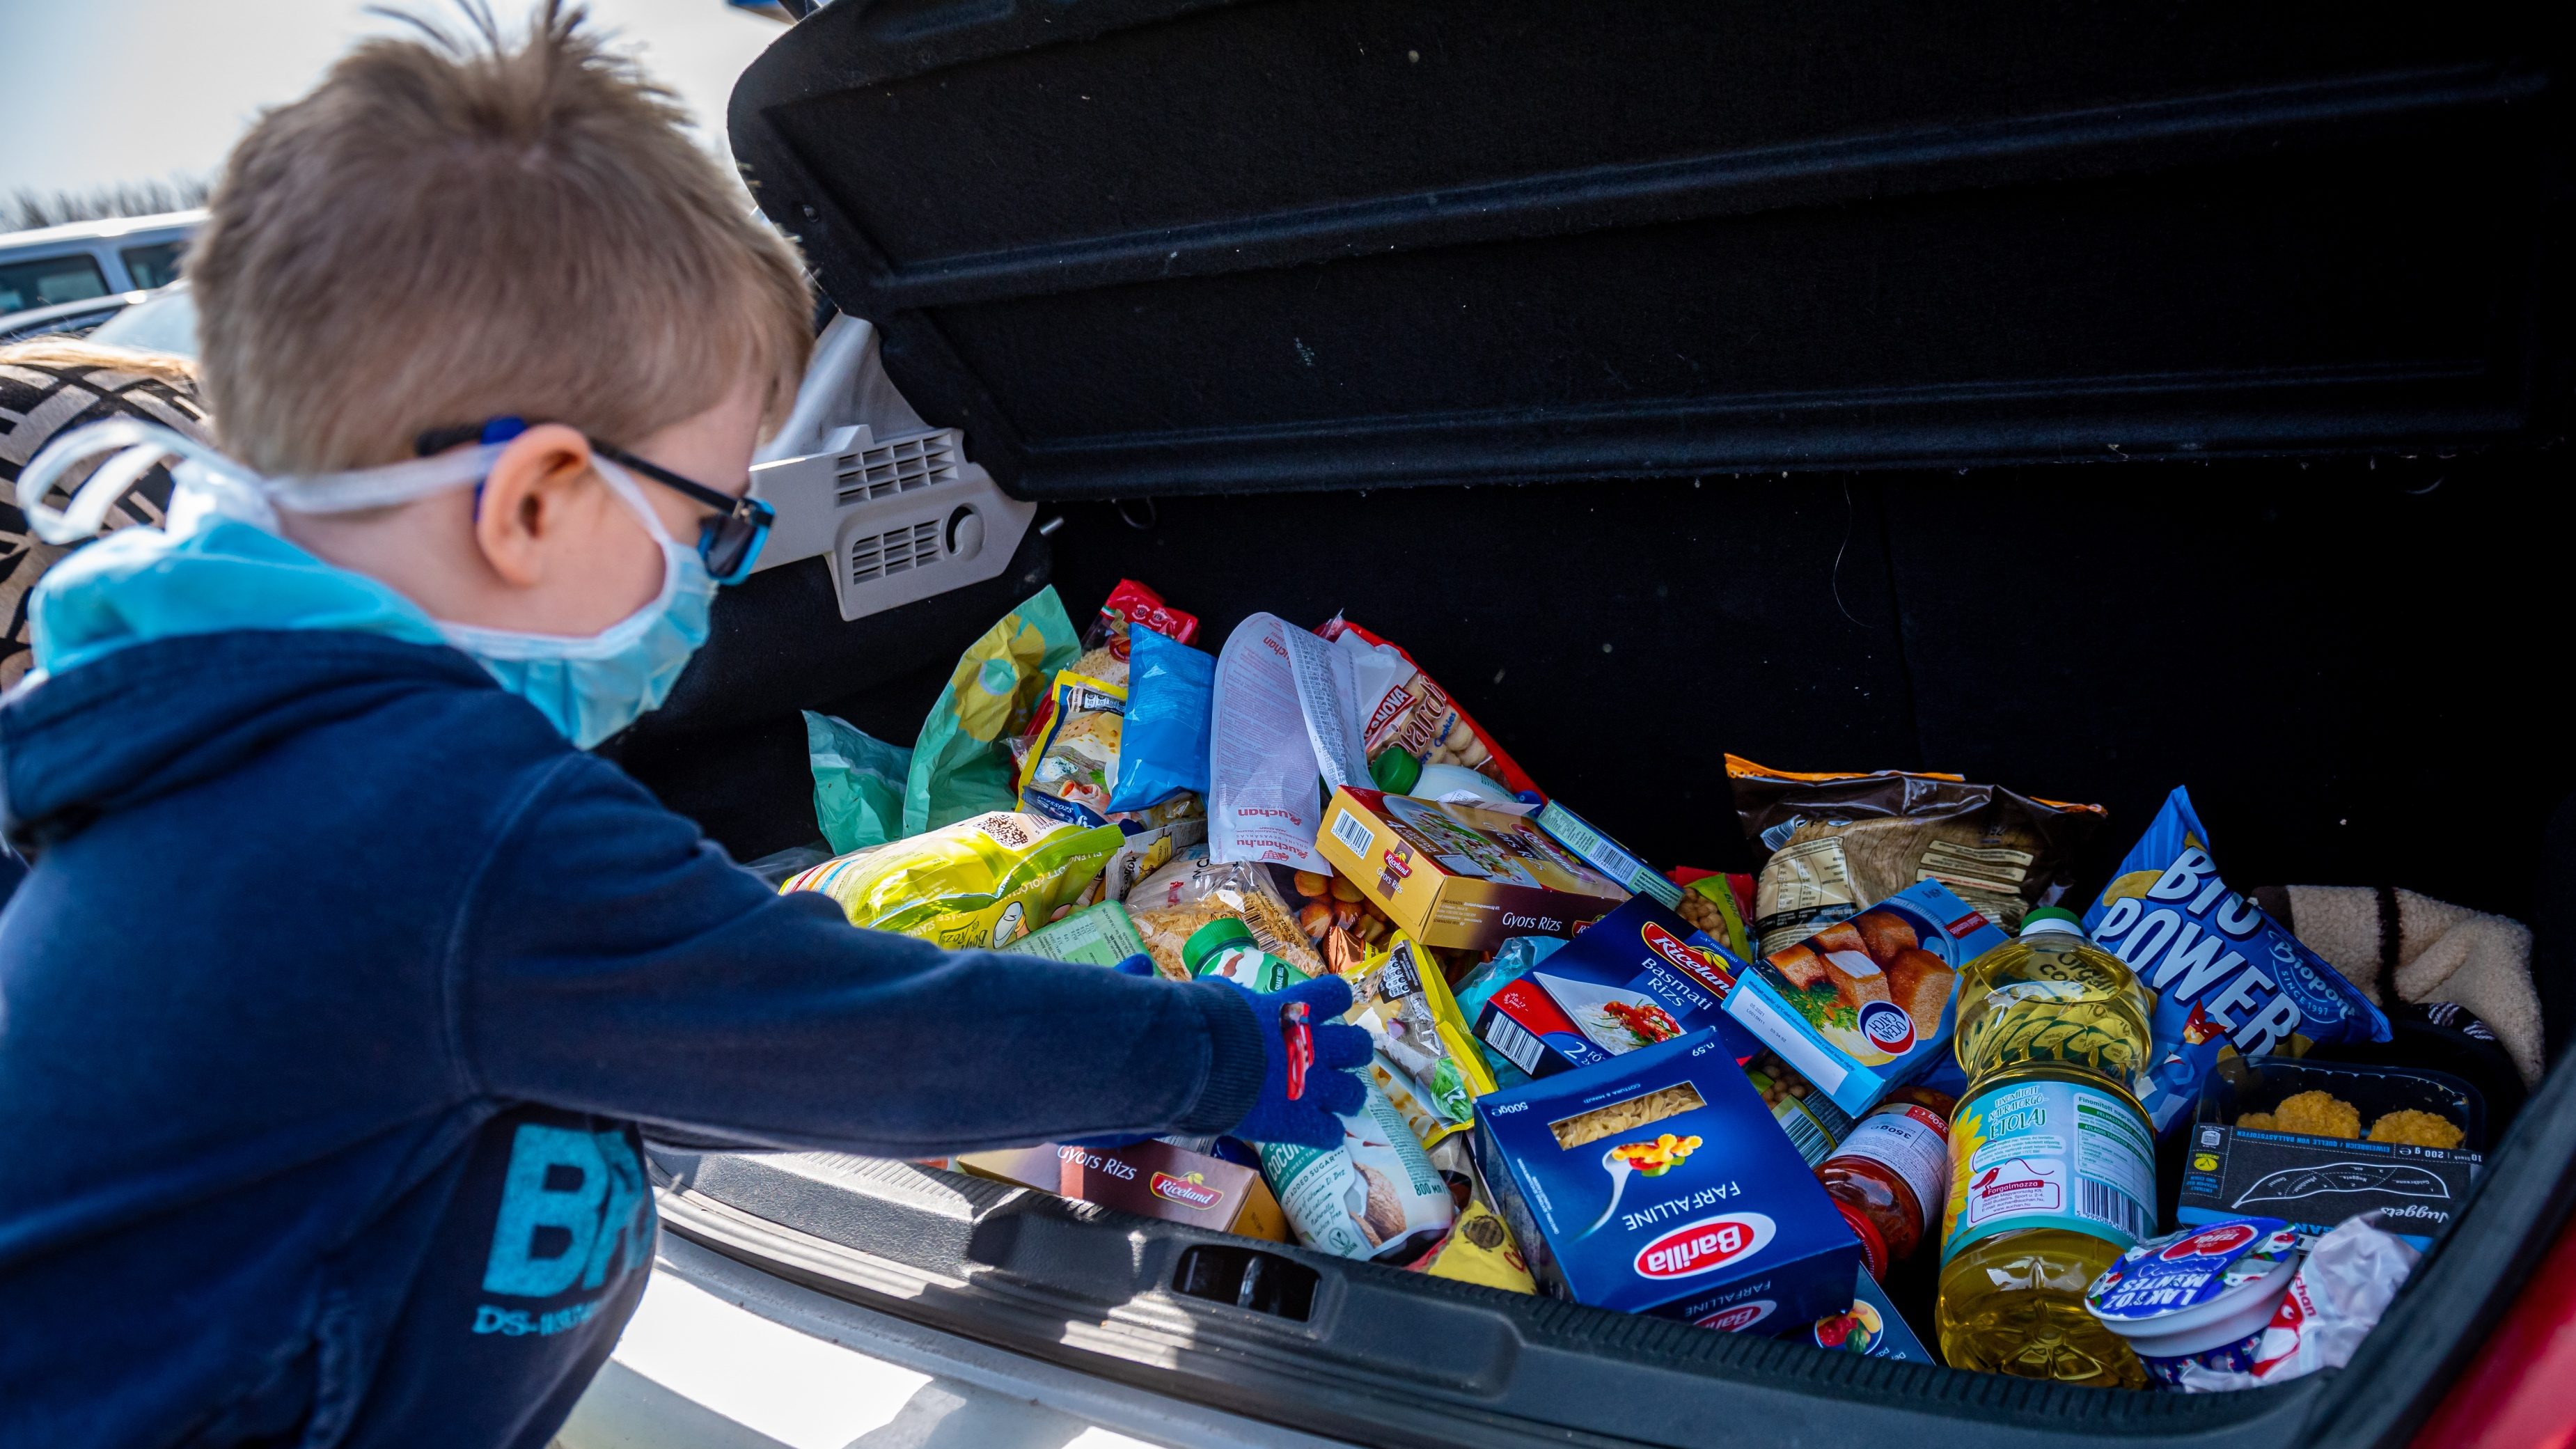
{"x": 1211, "y": 938}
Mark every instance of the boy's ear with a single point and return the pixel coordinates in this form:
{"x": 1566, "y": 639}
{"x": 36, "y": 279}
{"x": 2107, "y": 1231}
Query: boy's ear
{"x": 526, "y": 497}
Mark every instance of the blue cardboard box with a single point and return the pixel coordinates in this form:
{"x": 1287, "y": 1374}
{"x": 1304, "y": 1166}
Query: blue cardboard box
{"x": 1864, "y": 1005}
{"x": 1607, "y": 856}
{"x": 1638, "y": 976}
{"x": 1870, "y": 1327}
{"x": 1658, "y": 1183}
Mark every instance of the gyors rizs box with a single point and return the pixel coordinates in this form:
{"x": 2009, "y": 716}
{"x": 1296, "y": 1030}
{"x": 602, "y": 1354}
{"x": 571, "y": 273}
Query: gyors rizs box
{"x": 1465, "y": 876}
{"x": 1658, "y": 1183}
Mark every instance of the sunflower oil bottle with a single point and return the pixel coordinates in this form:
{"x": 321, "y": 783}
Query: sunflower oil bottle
{"x": 2052, "y": 1162}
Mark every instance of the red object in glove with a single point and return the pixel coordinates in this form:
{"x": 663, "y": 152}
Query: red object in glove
{"x": 1301, "y": 1046}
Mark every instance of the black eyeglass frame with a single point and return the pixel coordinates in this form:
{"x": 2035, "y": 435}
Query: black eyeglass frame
{"x": 728, "y": 543}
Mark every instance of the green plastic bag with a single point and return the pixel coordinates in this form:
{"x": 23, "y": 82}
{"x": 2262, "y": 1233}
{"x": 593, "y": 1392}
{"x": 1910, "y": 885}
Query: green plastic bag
{"x": 859, "y": 782}
{"x": 959, "y": 767}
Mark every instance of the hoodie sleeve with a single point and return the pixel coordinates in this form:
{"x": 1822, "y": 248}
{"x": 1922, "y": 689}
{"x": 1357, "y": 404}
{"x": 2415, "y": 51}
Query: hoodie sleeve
{"x": 609, "y": 959}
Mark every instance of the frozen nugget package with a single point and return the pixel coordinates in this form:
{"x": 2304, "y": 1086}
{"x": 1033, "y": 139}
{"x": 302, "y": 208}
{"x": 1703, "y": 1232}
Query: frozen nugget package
{"x": 984, "y": 882}
{"x": 2228, "y": 981}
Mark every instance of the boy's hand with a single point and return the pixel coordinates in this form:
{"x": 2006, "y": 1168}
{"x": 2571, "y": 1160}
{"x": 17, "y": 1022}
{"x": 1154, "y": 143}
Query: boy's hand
{"x": 1330, "y": 1087}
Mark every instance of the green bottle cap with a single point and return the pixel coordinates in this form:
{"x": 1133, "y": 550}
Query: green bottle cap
{"x": 1395, "y": 771}
{"x": 1211, "y": 938}
{"x": 2052, "y": 918}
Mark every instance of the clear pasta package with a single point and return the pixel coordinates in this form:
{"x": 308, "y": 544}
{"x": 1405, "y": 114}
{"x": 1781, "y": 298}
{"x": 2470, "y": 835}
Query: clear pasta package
{"x": 1171, "y": 905}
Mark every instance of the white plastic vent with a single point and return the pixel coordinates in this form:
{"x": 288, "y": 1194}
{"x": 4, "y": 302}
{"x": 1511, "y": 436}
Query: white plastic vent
{"x": 885, "y": 554}
{"x": 898, "y": 465}
{"x": 881, "y": 513}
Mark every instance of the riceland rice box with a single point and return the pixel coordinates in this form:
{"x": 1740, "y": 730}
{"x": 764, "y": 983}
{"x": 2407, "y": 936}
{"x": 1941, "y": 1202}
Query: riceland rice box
{"x": 1151, "y": 1179}
{"x": 1462, "y": 876}
{"x": 1638, "y": 976}
{"x": 1866, "y": 1004}
{"x": 1659, "y": 1184}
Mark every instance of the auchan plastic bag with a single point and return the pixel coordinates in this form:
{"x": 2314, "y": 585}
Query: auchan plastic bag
{"x": 983, "y": 882}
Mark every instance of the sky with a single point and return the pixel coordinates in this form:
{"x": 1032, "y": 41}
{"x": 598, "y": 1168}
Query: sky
{"x": 95, "y": 92}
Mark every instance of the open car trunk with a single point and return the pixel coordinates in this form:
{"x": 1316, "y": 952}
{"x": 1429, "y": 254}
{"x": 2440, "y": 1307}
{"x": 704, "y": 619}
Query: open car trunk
{"x": 1788, "y": 330}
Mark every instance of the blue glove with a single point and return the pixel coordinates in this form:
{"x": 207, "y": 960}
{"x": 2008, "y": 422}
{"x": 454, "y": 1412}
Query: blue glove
{"x": 1333, "y": 1089}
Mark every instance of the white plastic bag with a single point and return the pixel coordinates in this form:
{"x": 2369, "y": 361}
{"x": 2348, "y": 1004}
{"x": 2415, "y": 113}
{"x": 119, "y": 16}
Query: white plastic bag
{"x": 1283, "y": 716}
{"x": 2347, "y": 1282}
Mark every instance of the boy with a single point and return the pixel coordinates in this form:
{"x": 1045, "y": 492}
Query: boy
{"x": 343, "y": 980}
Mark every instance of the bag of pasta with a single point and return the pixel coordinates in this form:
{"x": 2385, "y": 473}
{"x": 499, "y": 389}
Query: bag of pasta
{"x": 1170, "y": 906}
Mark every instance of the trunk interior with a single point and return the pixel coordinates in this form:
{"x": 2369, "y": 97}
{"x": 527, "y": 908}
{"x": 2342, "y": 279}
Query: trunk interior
{"x": 2085, "y": 403}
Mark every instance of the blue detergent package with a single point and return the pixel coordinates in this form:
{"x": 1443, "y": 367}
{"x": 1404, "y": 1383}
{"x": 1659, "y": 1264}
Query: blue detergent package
{"x": 2228, "y": 980}
{"x": 1163, "y": 747}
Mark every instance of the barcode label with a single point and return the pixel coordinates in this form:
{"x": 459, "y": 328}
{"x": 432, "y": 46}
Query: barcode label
{"x": 1516, "y": 1044}
{"x": 1349, "y": 831}
{"x": 1804, "y": 1134}
{"x": 2108, "y": 1205}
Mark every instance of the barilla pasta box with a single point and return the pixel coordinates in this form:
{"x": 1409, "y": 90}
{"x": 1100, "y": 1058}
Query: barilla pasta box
{"x": 1658, "y": 1184}
{"x": 1638, "y": 976}
{"x": 1152, "y": 1179}
{"x": 1460, "y": 876}
{"x": 1866, "y": 1004}
{"x": 1606, "y": 855}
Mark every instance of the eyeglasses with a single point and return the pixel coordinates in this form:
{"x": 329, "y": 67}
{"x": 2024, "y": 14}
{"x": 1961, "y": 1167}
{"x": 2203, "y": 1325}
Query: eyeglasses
{"x": 728, "y": 543}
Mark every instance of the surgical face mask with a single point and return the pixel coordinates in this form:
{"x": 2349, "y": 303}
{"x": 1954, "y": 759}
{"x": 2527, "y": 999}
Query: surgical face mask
{"x": 588, "y": 686}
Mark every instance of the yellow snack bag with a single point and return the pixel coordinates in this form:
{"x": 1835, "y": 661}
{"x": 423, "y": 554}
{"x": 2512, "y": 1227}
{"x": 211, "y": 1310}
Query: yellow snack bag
{"x": 1480, "y": 1250}
{"x": 982, "y": 882}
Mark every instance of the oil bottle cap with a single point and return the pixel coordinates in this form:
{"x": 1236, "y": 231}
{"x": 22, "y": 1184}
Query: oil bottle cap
{"x": 1211, "y": 938}
{"x": 1395, "y": 771}
{"x": 2052, "y": 918}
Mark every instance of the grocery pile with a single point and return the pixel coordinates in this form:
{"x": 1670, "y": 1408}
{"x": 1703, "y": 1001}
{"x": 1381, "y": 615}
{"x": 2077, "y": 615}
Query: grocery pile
{"x": 2158, "y": 1144}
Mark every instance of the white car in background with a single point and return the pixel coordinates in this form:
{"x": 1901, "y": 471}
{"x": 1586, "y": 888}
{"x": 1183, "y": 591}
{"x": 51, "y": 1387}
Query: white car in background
{"x": 73, "y": 277}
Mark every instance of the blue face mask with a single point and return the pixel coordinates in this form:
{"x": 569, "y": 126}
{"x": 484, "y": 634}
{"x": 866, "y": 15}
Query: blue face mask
{"x": 588, "y": 686}
{"x": 591, "y": 687}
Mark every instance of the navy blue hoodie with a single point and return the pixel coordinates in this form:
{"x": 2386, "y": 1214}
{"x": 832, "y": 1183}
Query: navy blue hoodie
{"x": 332, "y": 1007}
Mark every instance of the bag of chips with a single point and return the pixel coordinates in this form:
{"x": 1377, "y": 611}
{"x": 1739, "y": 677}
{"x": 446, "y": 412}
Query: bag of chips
{"x": 1107, "y": 646}
{"x": 2228, "y": 980}
{"x": 1067, "y": 776}
{"x": 984, "y": 882}
{"x": 1164, "y": 750}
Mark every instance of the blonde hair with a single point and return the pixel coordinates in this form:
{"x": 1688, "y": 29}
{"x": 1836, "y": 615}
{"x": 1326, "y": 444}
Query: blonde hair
{"x": 68, "y": 352}
{"x": 450, "y": 229}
